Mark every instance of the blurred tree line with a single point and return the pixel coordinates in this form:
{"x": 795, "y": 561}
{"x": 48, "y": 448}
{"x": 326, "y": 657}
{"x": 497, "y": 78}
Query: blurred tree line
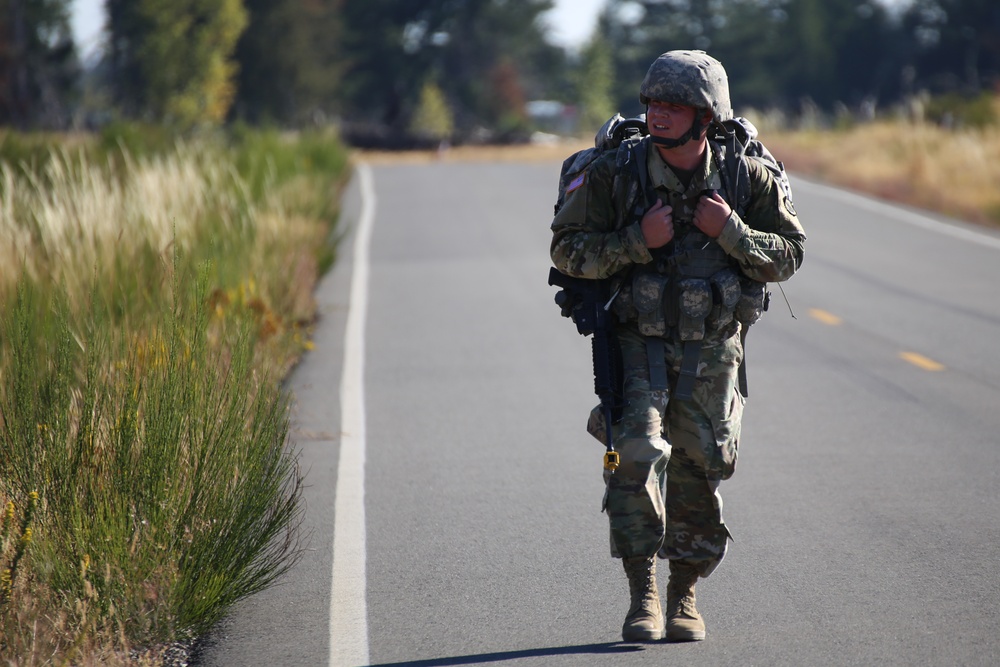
{"x": 398, "y": 71}
{"x": 822, "y": 54}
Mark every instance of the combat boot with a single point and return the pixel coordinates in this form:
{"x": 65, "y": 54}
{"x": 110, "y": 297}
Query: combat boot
{"x": 644, "y": 622}
{"x": 684, "y": 623}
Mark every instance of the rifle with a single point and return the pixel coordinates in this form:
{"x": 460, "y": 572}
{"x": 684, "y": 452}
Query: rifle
{"x": 588, "y": 303}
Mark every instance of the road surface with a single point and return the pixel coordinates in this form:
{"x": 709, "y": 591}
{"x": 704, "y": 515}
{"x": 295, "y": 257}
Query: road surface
{"x": 864, "y": 508}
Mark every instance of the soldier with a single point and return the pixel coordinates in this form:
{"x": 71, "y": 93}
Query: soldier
{"x": 689, "y": 273}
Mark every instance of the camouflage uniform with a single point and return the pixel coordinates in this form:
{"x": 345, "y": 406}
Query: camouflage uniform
{"x": 663, "y": 499}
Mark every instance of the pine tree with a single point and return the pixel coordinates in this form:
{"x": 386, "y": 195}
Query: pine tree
{"x": 295, "y": 78}
{"x": 38, "y": 63}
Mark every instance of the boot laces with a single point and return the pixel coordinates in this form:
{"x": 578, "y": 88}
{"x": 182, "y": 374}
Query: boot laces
{"x": 685, "y": 606}
{"x": 642, "y": 587}
{"x": 641, "y": 576}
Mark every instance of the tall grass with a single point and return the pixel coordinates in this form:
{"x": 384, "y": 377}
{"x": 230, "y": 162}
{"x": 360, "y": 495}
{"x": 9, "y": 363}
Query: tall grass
{"x": 952, "y": 171}
{"x": 149, "y": 306}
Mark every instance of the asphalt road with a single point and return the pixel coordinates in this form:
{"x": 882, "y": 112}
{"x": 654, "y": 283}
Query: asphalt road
{"x": 864, "y": 508}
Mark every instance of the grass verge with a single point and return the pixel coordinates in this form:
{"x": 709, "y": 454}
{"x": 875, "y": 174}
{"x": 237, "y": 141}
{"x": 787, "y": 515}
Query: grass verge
{"x": 150, "y": 304}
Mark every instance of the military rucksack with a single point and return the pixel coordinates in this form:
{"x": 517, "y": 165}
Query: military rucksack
{"x": 610, "y": 137}
{"x": 732, "y": 143}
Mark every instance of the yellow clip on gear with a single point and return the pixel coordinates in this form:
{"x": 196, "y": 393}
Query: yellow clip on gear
{"x": 611, "y": 460}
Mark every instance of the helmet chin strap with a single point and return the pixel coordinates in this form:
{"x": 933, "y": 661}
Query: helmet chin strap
{"x": 693, "y": 133}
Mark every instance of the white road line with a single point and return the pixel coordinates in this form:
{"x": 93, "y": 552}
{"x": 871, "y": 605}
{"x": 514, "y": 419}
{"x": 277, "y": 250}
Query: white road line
{"x": 901, "y": 214}
{"x": 348, "y": 605}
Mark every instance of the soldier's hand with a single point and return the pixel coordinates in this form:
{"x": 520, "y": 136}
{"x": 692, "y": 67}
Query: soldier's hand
{"x": 711, "y": 214}
{"x": 658, "y": 225}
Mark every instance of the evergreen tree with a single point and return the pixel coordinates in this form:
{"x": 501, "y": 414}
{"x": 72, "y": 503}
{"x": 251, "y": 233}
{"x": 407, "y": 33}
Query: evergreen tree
{"x": 432, "y": 119}
{"x": 956, "y": 44}
{"x": 38, "y": 63}
{"x": 289, "y": 60}
{"x": 776, "y": 52}
{"x": 486, "y": 56}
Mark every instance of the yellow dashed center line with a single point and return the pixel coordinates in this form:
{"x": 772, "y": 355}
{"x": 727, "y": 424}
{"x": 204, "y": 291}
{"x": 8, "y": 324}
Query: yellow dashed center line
{"x": 825, "y": 317}
{"x": 920, "y": 361}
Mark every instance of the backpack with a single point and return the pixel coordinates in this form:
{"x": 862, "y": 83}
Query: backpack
{"x": 738, "y": 139}
{"x": 610, "y": 137}
{"x": 732, "y": 144}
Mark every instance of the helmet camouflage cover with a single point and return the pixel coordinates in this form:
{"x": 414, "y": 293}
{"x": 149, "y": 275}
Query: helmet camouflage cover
{"x": 692, "y": 78}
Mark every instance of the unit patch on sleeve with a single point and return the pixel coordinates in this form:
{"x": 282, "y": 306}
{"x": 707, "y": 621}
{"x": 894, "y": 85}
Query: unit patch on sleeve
{"x": 575, "y": 183}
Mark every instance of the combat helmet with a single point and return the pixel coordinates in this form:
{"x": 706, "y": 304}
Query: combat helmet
{"x": 692, "y": 78}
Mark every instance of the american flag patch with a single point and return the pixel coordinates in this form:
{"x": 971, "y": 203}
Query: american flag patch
{"x": 575, "y": 183}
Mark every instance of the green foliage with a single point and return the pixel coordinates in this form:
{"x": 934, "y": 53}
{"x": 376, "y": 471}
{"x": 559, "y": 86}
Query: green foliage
{"x": 954, "y": 110}
{"x": 159, "y": 456}
{"x": 777, "y": 53}
{"x": 432, "y": 118}
{"x": 295, "y": 79}
{"x": 595, "y": 79}
{"x": 142, "y": 342}
{"x": 393, "y": 47}
{"x": 33, "y": 150}
{"x": 174, "y": 58}
{"x": 135, "y": 138}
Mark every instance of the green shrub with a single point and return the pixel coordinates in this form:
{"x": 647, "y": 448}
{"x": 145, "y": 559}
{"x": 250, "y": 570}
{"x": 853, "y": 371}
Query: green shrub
{"x": 954, "y": 110}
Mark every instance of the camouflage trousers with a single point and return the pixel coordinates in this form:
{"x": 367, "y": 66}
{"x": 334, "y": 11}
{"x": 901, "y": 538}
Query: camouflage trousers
{"x": 664, "y": 497}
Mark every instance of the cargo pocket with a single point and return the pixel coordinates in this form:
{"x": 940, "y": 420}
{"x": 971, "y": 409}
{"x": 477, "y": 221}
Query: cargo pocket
{"x": 695, "y": 305}
{"x": 727, "y": 437}
{"x": 647, "y": 296}
{"x": 726, "y": 294}
{"x": 750, "y": 306}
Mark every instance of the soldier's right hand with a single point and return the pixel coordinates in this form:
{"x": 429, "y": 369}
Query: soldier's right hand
{"x": 658, "y": 225}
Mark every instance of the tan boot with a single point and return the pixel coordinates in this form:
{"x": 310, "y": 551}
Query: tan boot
{"x": 684, "y": 623}
{"x": 644, "y": 622}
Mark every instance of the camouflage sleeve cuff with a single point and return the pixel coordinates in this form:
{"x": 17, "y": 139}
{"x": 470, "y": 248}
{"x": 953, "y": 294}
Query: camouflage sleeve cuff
{"x": 732, "y": 233}
{"x": 634, "y": 244}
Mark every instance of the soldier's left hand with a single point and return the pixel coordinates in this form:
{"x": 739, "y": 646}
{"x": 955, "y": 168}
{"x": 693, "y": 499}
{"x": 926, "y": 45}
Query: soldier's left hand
{"x": 711, "y": 214}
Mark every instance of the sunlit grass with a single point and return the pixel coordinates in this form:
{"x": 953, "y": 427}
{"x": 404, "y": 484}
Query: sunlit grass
{"x": 149, "y": 309}
{"x": 954, "y": 172}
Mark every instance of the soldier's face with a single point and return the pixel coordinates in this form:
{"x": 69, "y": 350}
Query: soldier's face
{"x": 668, "y": 120}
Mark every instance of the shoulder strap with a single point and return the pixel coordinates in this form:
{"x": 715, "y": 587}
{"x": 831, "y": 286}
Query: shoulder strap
{"x": 632, "y": 192}
{"x": 730, "y": 158}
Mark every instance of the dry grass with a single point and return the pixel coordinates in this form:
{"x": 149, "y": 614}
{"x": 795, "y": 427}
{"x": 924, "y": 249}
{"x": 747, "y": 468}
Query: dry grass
{"x": 71, "y": 218}
{"x": 956, "y": 173}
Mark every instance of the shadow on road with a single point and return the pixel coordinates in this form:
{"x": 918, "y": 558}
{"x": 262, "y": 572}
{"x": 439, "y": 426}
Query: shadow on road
{"x": 585, "y": 649}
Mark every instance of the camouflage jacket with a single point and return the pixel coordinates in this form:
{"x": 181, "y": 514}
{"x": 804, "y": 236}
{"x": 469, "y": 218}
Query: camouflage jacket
{"x": 594, "y": 238}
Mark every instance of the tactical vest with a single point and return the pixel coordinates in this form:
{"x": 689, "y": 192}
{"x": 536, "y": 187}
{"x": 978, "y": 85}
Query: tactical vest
{"x": 691, "y": 288}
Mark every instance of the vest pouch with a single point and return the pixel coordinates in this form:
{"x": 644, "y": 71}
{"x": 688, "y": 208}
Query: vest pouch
{"x": 695, "y": 305}
{"x": 623, "y": 306}
{"x": 751, "y": 304}
{"x": 647, "y": 296}
{"x": 726, "y": 292}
